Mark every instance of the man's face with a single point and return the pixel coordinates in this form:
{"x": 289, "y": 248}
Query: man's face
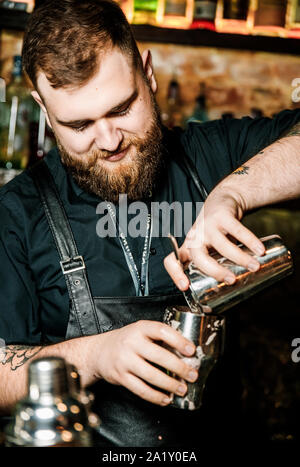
{"x": 108, "y": 130}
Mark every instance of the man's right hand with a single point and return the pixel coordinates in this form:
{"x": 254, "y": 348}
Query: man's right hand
{"x": 127, "y": 357}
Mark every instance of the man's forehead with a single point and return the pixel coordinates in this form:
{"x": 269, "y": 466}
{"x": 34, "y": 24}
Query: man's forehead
{"x": 114, "y": 80}
{"x": 112, "y": 63}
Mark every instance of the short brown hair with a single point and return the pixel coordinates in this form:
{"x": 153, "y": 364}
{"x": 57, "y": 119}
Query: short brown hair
{"x": 65, "y": 38}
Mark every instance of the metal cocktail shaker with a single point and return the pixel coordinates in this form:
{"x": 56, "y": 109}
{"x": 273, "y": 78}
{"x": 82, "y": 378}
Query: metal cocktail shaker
{"x": 207, "y": 333}
{"x": 211, "y": 296}
{"x": 51, "y": 414}
{"x": 202, "y": 321}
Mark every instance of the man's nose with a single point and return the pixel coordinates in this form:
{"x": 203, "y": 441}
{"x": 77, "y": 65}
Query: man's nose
{"x": 107, "y": 137}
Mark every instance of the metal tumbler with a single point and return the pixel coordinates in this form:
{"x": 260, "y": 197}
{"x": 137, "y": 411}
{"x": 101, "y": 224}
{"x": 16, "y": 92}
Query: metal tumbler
{"x": 207, "y": 333}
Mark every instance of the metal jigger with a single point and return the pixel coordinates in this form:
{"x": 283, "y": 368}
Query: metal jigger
{"x": 51, "y": 414}
{"x": 202, "y": 322}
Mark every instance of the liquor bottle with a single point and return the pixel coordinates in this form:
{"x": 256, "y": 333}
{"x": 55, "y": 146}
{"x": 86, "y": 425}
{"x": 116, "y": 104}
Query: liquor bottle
{"x": 231, "y": 16}
{"x": 23, "y": 5}
{"x": 175, "y": 13}
{"x": 41, "y": 136}
{"x": 293, "y": 18}
{"x": 173, "y": 115}
{"x": 200, "y": 113}
{"x": 204, "y": 14}
{"x": 144, "y": 11}
{"x": 127, "y": 7}
{"x": 14, "y": 149}
{"x": 267, "y": 17}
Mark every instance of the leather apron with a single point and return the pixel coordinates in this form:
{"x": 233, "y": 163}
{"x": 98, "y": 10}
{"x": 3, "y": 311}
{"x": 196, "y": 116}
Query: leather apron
{"x": 127, "y": 420}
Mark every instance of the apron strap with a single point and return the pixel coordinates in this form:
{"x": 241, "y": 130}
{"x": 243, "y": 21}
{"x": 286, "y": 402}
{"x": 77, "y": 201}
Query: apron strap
{"x": 83, "y": 317}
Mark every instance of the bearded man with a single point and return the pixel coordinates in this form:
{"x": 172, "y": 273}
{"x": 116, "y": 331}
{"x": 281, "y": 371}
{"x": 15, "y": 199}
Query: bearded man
{"x": 98, "y": 301}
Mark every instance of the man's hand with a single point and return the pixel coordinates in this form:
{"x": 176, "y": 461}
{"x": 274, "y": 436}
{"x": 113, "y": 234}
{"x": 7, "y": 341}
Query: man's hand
{"x": 127, "y": 357}
{"x": 218, "y": 221}
{"x": 273, "y": 175}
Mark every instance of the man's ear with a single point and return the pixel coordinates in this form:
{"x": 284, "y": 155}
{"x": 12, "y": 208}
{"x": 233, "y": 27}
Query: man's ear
{"x": 38, "y": 99}
{"x": 148, "y": 69}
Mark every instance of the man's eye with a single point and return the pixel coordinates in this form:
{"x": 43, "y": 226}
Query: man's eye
{"x": 80, "y": 128}
{"x": 123, "y": 112}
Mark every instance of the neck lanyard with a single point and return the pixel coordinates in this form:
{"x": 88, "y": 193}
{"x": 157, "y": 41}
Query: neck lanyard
{"x": 140, "y": 281}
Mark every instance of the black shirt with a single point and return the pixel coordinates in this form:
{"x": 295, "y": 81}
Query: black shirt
{"x": 34, "y": 302}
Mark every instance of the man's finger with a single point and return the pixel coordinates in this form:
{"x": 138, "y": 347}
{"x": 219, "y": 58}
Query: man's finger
{"x": 235, "y": 254}
{"x": 162, "y": 332}
{"x": 245, "y": 236}
{"x": 175, "y": 270}
{"x": 211, "y": 267}
{"x": 141, "y": 389}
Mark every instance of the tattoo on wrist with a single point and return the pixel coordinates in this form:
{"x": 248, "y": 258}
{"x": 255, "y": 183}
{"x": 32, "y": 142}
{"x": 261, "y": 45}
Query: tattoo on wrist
{"x": 17, "y": 355}
{"x": 244, "y": 169}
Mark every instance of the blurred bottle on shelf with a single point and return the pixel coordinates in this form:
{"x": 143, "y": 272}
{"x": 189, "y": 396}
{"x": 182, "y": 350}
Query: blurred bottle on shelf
{"x": 175, "y": 13}
{"x": 256, "y": 113}
{"x": 173, "y": 115}
{"x": 227, "y": 115}
{"x": 41, "y": 136}
{"x": 23, "y": 5}
{"x": 267, "y": 17}
{"x": 231, "y": 16}
{"x": 204, "y": 14}
{"x": 144, "y": 11}
{"x": 127, "y": 7}
{"x": 200, "y": 113}
{"x": 292, "y": 21}
{"x": 24, "y": 135}
{"x": 14, "y": 132}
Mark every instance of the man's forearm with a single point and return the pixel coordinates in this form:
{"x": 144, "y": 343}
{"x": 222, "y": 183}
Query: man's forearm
{"x": 15, "y": 359}
{"x": 271, "y": 176}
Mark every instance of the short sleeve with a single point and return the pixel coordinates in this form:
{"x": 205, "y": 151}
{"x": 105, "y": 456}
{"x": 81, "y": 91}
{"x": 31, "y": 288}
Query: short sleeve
{"x": 248, "y": 136}
{"x": 219, "y": 147}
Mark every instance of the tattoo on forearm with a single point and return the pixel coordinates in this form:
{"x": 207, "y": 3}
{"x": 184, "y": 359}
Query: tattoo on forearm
{"x": 241, "y": 170}
{"x": 294, "y": 131}
{"x": 17, "y": 355}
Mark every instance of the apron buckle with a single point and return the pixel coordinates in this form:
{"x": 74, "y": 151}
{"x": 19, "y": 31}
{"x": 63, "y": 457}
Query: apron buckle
{"x": 70, "y": 265}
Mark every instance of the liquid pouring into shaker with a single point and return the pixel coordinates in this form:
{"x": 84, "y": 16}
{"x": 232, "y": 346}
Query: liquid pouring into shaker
{"x": 191, "y": 304}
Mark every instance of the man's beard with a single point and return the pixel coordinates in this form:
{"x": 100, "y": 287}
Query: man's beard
{"x": 134, "y": 175}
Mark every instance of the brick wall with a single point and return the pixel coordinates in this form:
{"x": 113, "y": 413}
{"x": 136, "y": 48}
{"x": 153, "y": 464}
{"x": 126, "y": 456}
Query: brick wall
{"x": 236, "y": 81}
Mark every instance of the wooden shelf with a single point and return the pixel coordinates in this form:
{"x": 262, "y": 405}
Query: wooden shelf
{"x": 13, "y": 19}
{"x": 195, "y": 37}
{"x": 207, "y": 38}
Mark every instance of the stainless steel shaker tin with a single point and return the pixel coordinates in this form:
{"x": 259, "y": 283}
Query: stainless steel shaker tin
{"x": 215, "y": 297}
{"x": 51, "y": 414}
{"x": 207, "y": 333}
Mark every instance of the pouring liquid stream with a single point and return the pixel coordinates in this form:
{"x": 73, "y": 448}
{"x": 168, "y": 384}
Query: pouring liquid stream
{"x": 193, "y": 307}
